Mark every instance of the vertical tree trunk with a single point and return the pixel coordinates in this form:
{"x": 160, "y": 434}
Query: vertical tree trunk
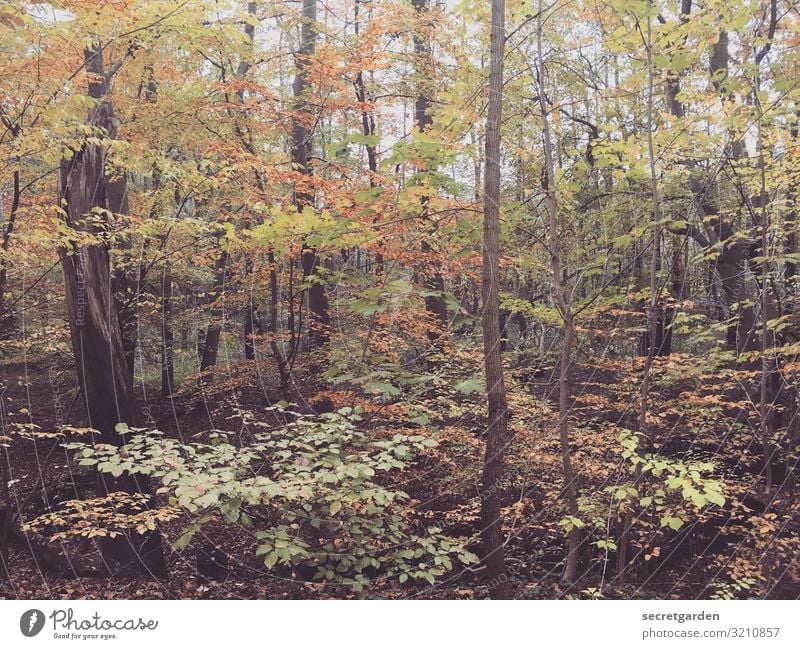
{"x": 769, "y": 368}
{"x": 250, "y": 323}
{"x": 432, "y": 277}
{"x": 790, "y": 390}
{"x": 125, "y": 282}
{"x": 276, "y": 343}
{"x": 8, "y": 511}
{"x": 211, "y": 344}
{"x": 561, "y": 297}
{"x": 655, "y": 316}
{"x": 6, "y": 320}
{"x": 319, "y": 318}
{"x": 103, "y": 374}
{"x": 167, "y": 346}
{"x": 663, "y": 332}
{"x": 368, "y": 130}
{"x": 497, "y": 433}
{"x": 732, "y": 263}
{"x": 249, "y": 327}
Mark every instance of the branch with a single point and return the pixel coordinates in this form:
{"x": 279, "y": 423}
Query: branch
{"x": 773, "y": 24}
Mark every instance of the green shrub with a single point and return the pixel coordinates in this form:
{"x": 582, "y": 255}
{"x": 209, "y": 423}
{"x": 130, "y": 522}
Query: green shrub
{"x": 311, "y": 490}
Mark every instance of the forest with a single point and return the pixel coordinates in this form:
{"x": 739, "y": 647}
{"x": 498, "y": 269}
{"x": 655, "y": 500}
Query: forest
{"x": 400, "y": 299}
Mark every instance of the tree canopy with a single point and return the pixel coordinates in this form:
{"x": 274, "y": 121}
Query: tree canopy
{"x": 401, "y": 297}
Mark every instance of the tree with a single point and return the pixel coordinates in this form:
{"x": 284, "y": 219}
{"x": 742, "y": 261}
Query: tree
{"x": 433, "y": 281}
{"x": 302, "y": 144}
{"x": 104, "y": 378}
{"x": 497, "y": 430}
{"x": 655, "y": 316}
{"x": 562, "y": 300}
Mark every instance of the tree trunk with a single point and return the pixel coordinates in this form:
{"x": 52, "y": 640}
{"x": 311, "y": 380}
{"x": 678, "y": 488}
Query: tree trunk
{"x": 125, "y": 284}
{"x": 496, "y": 433}
{"x": 6, "y": 319}
{"x": 250, "y": 323}
{"x": 103, "y": 374}
{"x": 167, "y": 346}
{"x": 276, "y": 342}
{"x": 561, "y": 297}
{"x": 655, "y": 314}
{"x": 432, "y": 279}
{"x": 319, "y": 318}
{"x": 211, "y": 345}
{"x": 368, "y": 130}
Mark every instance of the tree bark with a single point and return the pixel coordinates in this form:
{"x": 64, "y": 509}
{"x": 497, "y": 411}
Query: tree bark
{"x": 103, "y": 374}
{"x": 433, "y": 281}
{"x": 250, "y": 320}
{"x": 319, "y": 320}
{"x": 561, "y": 297}
{"x": 656, "y": 318}
{"x": 211, "y": 343}
{"x": 126, "y": 284}
{"x": 7, "y": 320}
{"x": 368, "y": 130}
{"x": 167, "y": 346}
{"x": 497, "y": 433}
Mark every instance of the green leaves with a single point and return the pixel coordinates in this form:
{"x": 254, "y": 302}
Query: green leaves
{"x": 469, "y": 386}
{"x": 673, "y": 522}
{"x": 606, "y": 544}
{"x": 569, "y": 523}
{"x": 673, "y": 488}
{"x": 321, "y": 486}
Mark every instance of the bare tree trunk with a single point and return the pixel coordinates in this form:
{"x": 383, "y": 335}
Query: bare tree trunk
{"x": 6, "y": 320}
{"x": 368, "y": 130}
{"x": 769, "y": 369}
{"x": 6, "y": 513}
{"x": 250, "y": 323}
{"x": 561, "y": 297}
{"x": 790, "y": 391}
{"x": 732, "y": 262}
{"x": 655, "y": 316}
{"x": 497, "y": 433}
{"x": 126, "y": 285}
{"x": 211, "y": 344}
{"x": 167, "y": 346}
{"x": 432, "y": 278}
{"x": 275, "y": 340}
{"x": 103, "y": 374}
{"x": 319, "y": 320}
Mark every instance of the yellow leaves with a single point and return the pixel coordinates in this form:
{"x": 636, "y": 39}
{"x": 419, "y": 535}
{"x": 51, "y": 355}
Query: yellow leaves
{"x": 73, "y": 430}
{"x": 108, "y": 516}
{"x": 655, "y": 552}
{"x": 30, "y": 431}
{"x": 283, "y": 225}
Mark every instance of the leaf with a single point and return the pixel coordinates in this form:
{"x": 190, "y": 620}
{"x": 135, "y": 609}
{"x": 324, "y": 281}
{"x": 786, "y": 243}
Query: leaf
{"x": 469, "y": 386}
{"x": 715, "y": 497}
{"x": 183, "y": 541}
{"x": 379, "y": 387}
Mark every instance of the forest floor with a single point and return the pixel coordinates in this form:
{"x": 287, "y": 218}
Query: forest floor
{"x": 699, "y": 415}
